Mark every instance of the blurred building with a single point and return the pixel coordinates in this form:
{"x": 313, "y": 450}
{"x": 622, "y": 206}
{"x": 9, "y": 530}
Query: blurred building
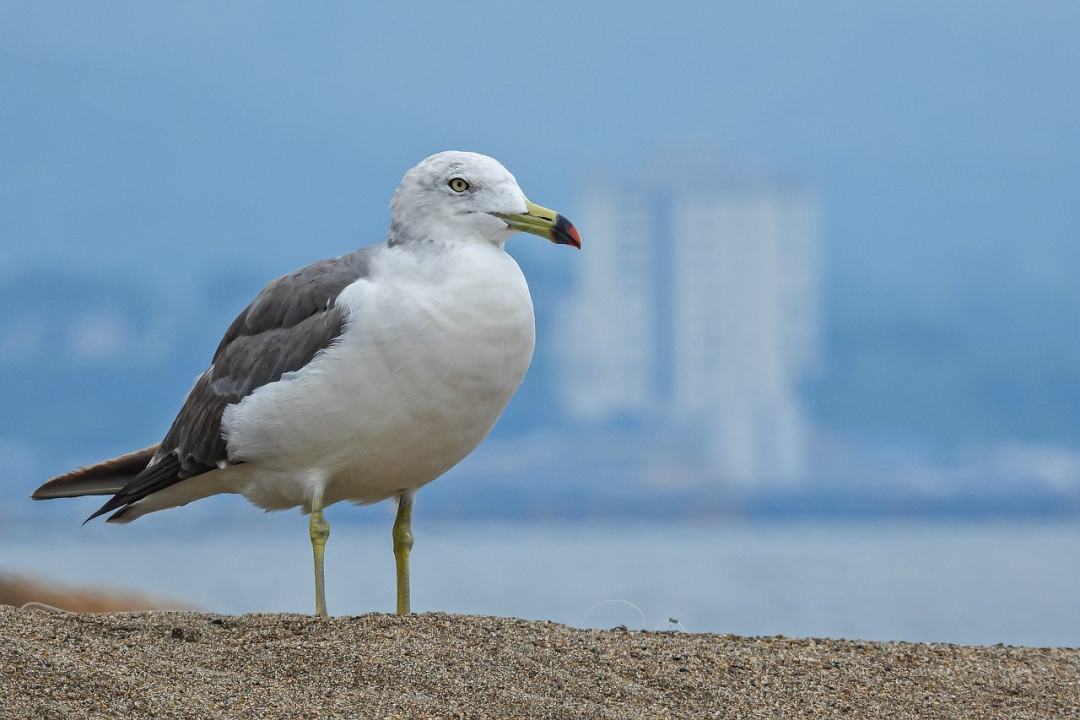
{"x": 697, "y": 315}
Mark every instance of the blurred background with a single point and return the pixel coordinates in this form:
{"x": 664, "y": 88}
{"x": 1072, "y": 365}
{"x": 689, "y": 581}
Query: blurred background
{"x": 815, "y": 371}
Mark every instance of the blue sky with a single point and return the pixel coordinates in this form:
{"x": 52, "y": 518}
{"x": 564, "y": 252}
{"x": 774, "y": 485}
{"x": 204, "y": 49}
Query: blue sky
{"x": 172, "y": 144}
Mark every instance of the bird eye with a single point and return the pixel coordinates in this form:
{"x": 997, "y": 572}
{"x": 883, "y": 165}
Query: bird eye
{"x": 458, "y": 185}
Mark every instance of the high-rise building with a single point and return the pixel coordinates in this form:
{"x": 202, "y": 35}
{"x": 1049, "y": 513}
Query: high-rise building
{"x": 697, "y": 309}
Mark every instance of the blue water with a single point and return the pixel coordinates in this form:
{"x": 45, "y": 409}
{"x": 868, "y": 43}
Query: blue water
{"x": 983, "y": 583}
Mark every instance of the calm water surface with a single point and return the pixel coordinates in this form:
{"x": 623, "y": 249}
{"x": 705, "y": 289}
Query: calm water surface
{"x": 983, "y": 583}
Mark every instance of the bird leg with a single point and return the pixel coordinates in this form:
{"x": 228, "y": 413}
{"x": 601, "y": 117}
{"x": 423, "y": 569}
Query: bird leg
{"x": 319, "y": 530}
{"x": 403, "y": 542}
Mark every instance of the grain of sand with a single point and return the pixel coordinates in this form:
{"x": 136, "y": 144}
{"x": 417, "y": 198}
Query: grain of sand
{"x": 197, "y": 665}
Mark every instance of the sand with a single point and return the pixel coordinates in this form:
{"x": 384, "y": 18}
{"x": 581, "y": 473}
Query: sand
{"x": 198, "y": 665}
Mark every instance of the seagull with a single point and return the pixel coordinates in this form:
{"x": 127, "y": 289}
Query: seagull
{"x": 359, "y": 378}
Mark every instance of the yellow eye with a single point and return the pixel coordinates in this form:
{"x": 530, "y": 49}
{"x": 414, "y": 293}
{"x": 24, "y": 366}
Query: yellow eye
{"x": 458, "y": 185}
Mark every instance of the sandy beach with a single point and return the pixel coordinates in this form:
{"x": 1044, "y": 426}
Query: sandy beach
{"x": 198, "y": 665}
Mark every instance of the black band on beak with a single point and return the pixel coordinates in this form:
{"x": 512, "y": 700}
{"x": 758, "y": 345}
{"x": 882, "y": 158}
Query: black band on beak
{"x": 564, "y": 233}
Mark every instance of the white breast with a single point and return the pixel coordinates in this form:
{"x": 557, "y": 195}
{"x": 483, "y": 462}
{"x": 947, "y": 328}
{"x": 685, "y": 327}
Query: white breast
{"x": 433, "y": 348}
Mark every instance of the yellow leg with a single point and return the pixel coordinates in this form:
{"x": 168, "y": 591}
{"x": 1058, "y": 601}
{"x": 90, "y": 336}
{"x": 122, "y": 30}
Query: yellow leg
{"x": 403, "y": 542}
{"x": 319, "y": 530}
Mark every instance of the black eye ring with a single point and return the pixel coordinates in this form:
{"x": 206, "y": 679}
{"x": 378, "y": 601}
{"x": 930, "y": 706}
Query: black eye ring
{"x": 458, "y": 185}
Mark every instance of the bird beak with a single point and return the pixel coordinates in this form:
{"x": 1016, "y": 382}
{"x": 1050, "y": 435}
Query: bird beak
{"x": 543, "y": 222}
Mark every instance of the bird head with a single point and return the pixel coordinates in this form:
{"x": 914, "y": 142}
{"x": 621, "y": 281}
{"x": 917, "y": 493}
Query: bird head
{"x": 465, "y": 196}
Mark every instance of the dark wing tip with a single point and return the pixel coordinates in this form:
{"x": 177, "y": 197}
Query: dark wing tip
{"x": 113, "y": 503}
{"x": 158, "y": 476}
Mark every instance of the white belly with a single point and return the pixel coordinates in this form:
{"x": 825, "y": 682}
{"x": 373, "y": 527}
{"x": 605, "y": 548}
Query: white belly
{"x": 428, "y": 360}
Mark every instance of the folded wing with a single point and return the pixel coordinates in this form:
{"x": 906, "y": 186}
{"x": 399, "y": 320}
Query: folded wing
{"x": 289, "y": 323}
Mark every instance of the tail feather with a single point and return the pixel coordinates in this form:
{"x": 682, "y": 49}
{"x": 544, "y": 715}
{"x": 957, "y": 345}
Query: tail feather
{"x": 105, "y": 478}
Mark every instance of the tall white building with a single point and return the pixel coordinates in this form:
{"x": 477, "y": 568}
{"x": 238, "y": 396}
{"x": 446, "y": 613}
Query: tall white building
{"x": 697, "y": 310}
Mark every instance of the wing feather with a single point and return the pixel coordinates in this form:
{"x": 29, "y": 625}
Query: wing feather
{"x": 290, "y": 321}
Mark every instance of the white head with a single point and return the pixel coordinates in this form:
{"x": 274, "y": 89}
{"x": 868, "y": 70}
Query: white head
{"x": 458, "y": 196}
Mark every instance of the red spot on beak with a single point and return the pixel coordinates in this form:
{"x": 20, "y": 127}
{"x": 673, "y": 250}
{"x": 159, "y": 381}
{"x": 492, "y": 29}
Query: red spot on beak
{"x": 577, "y": 238}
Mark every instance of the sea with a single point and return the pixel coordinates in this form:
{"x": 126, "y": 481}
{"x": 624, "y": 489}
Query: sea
{"x": 1015, "y": 582}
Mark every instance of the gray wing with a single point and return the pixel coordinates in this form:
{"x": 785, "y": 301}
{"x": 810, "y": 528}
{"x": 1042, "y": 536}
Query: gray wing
{"x": 288, "y": 323}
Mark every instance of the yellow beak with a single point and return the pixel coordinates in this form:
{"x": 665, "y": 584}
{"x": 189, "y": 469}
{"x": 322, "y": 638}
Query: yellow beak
{"x": 541, "y": 221}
